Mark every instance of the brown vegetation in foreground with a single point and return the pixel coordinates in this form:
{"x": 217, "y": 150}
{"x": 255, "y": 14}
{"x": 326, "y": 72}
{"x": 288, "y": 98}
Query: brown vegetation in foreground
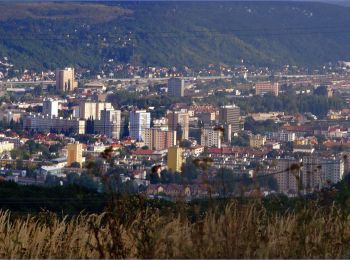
{"x": 234, "y": 232}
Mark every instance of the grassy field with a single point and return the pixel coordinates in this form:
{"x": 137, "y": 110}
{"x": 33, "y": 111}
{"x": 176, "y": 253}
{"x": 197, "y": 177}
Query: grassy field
{"x": 234, "y": 231}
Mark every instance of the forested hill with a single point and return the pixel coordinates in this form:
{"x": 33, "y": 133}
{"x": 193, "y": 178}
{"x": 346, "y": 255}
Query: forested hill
{"x": 173, "y": 33}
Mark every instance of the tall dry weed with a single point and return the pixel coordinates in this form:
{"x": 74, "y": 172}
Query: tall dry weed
{"x": 237, "y": 231}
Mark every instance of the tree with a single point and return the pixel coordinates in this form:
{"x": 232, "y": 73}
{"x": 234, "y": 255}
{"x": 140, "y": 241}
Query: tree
{"x": 185, "y": 144}
{"x": 321, "y": 91}
{"x": 241, "y": 140}
{"x": 75, "y": 165}
{"x": 90, "y": 128}
{"x": 189, "y": 171}
{"x": 154, "y": 178}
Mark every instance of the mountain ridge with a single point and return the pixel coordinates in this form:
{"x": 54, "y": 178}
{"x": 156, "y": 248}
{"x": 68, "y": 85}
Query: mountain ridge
{"x": 174, "y": 33}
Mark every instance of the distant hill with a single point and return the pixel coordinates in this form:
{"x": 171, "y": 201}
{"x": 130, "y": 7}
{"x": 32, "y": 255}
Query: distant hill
{"x": 36, "y": 35}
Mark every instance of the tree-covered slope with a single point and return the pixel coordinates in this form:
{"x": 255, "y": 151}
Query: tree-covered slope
{"x": 174, "y": 33}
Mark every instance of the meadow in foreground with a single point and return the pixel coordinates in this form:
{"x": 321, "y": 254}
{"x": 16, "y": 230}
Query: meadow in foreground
{"x": 236, "y": 230}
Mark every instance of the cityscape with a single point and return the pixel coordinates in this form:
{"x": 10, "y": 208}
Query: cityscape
{"x": 59, "y": 127}
{"x": 174, "y": 130}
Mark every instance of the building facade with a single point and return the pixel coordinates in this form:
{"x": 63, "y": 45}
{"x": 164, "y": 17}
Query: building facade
{"x": 92, "y": 110}
{"x": 230, "y": 115}
{"x": 74, "y": 153}
{"x": 6, "y": 146}
{"x": 140, "y": 120}
{"x": 65, "y": 80}
{"x": 50, "y": 107}
{"x": 176, "y": 87}
{"x": 109, "y": 123}
{"x": 262, "y": 88}
{"x": 257, "y": 141}
{"x": 179, "y": 121}
{"x": 211, "y": 137}
{"x": 286, "y": 178}
{"x": 158, "y": 139}
{"x": 175, "y": 159}
{"x": 46, "y": 124}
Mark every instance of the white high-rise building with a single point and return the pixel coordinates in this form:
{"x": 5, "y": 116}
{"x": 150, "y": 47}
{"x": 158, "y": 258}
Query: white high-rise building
{"x": 139, "y": 121}
{"x": 50, "y": 107}
{"x": 321, "y": 171}
{"x": 88, "y": 110}
{"x": 109, "y": 124}
{"x": 211, "y": 137}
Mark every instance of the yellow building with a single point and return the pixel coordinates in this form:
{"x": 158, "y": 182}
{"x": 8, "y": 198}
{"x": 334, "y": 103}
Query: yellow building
{"x": 256, "y": 141}
{"x": 6, "y": 146}
{"x": 75, "y": 153}
{"x": 175, "y": 158}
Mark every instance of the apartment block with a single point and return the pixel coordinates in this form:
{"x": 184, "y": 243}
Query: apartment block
{"x": 46, "y": 124}
{"x": 175, "y": 159}
{"x": 50, "y": 107}
{"x": 286, "y": 178}
{"x": 92, "y": 110}
{"x": 109, "y": 123}
{"x": 211, "y": 137}
{"x": 158, "y": 139}
{"x": 74, "y": 153}
{"x": 179, "y": 121}
{"x": 6, "y": 146}
{"x": 262, "y": 88}
{"x": 257, "y": 141}
{"x": 176, "y": 87}
{"x": 65, "y": 80}
{"x": 140, "y": 120}
{"x": 230, "y": 114}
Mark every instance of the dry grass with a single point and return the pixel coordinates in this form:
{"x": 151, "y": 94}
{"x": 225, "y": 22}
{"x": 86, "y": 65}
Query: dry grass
{"x": 235, "y": 232}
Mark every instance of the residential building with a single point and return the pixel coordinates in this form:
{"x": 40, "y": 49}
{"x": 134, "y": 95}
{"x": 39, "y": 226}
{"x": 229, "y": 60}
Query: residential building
{"x": 282, "y": 136}
{"x": 320, "y": 171}
{"x": 46, "y": 124}
{"x": 139, "y": 121}
{"x": 175, "y": 159}
{"x": 176, "y": 87}
{"x": 227, "y": 133}
{"x": 6, "y": 146}
{"x": 158, "y": 139}
{"x": 314, "y": 173}
{"x": 179, "y": 121}
{"x": 285, "y": 177}
{"x": 92, "y": 110}
{"x": 262, "y": 88}
{"x": 329, "y": 92}
{"x": 206, "y": 117}
{"x": 211, "y": 137}
{"x": 257, "y": 141}
{"x": 65, "y": 80}
{"x": 50, "y": 107}
{"x": 109, "y": 123}
{"x": 10, "y": 115}
{"x": 75, "y": 153}
{"x": 303, "y": 149}
{"x": 230, "y": 114}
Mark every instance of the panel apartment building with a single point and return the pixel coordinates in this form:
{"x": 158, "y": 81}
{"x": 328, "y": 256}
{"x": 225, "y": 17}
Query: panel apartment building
{"x": 262, "y": 88}
{"x": 47, "y": 124}
{"x": 158, "y": 139}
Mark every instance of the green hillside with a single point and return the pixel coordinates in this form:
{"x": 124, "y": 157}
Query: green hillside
{"x": 173, "y": 33}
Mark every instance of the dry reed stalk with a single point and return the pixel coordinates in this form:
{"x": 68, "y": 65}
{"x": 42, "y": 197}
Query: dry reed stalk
{"x": 233, "y": 232}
